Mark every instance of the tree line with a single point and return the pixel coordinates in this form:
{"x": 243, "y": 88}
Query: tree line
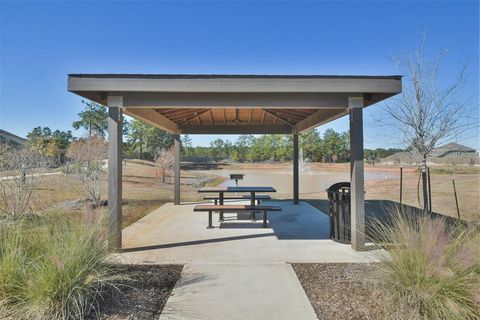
{"x": 331, "y": 147}
{"x": 144, "y": 141}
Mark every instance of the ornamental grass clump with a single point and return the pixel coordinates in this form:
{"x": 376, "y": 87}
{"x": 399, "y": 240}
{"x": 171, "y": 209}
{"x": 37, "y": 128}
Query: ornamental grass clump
{"x": 430, "y": 269}
{"x": 52, "y": 269}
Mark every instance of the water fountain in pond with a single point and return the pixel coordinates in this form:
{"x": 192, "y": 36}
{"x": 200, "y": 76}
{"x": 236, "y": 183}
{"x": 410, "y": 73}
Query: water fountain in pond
{"x": 302, "y": 163}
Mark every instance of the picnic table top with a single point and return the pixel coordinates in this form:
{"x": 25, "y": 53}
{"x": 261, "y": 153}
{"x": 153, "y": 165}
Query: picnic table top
{"x": 236, "y": 189}
{"x": 235, "y": 208}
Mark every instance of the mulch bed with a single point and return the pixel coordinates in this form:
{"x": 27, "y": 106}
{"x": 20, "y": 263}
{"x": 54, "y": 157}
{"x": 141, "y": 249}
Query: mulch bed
{"x": 142, "y": 296}
{"x": 342, "y": 290}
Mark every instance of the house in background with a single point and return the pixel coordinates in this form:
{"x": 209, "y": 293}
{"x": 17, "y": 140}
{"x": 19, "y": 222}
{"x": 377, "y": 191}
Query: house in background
{"x": 451, "y": 153}
{"x": 453, "y": 150}
{"x": 11, "y": 139}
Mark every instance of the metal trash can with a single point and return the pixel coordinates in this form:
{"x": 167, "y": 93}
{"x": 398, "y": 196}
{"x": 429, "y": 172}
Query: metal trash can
{"x": 339, "y": 203}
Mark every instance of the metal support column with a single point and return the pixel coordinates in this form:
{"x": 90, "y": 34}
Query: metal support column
{"x": 176, "y": 169}
{"x": 295, "y": 169}
{"x": 115, "y": 103}
{"x": 356, "y": 173}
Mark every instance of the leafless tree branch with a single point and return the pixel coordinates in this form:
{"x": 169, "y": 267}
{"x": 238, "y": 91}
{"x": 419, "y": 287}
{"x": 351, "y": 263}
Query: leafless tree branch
{"x": 428, "y": 113}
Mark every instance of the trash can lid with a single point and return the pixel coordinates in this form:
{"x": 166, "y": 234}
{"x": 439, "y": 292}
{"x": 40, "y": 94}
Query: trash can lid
{"x": 338, "y": 186}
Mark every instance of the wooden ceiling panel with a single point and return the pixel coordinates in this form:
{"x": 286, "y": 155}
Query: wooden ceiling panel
{"x": 179, "y": 116}
{"x": 239, "y": 116}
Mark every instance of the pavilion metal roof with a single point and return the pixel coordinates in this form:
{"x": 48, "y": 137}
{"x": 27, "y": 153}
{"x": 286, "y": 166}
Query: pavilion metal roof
{"x": 189, "y": 103}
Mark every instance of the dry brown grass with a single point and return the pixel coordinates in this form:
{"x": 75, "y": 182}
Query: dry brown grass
{"x": 443, "y": 200}
{"x": 432, "y": 269}
{"x": 143, "y": 192}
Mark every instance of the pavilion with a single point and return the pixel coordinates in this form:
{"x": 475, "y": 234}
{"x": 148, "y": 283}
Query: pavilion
{"x": 234, "y": 104}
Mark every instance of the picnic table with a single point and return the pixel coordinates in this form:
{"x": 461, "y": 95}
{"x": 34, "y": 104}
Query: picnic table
{"x": 222, "y": 190}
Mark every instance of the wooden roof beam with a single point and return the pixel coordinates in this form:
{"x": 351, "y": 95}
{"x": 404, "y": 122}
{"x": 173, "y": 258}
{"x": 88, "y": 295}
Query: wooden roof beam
{"x": 180, "y": 112}
{"x": 320, "y": 117}
{"x": 154, "y": 118}
{"x": 196, "y": 116}
{"x": 277, "y": 117}
{"x": 291, "y": 113}
{"x": 172, "y": 111}
{"x": 210, "y": 115}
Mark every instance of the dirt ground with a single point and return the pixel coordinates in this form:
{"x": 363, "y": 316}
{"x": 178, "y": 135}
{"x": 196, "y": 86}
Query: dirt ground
{"x": 443, "y": 198}
{"x": 142, "y": 295}
{"x": 342, "y": 290}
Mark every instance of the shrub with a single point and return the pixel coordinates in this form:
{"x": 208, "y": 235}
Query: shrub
{"x": 430, "y": 270}
{"x": 54, "y": 269}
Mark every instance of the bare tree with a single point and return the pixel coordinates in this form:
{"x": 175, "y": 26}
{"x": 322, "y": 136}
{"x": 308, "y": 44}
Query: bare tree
{"x": 21, "y": 171}
{"x": 87, "y": 156}
{"x": 165, "y": 161}
{"x": 428, "y": 113}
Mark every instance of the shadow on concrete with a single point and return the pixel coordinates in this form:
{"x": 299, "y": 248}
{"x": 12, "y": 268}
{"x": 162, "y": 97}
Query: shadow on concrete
{"x": 193, "y": 278}
{"x": 241, "y": 225}
{"x": 182, "y": 290}
{"x": 315, "y": 228}
{"x": 383, "y": 211}
{"x": 292, "y": 223}
{"x": 196, "y": 242}
{"x": 298, "y": 227}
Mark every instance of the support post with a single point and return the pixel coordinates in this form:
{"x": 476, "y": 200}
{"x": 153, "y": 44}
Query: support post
{"x": 115, "y": 103}
{"x": 357, "y": 196}
{"x": 295, "y": 169}
{"x": 176, "y": 169}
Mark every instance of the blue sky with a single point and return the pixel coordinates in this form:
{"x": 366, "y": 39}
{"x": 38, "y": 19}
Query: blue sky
{"x": 41, "y": 42}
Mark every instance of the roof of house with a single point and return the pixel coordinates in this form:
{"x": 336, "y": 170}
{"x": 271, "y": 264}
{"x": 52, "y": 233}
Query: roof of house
{"x": 436, "y": 152}
{"x": 450, "y": 147}
{"x": 12, "y": 137}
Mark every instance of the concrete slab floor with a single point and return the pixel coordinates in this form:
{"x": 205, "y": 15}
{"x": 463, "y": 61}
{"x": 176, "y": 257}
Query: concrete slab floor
{"x": 175, "y": 234}
{"x": 237, "y": 270}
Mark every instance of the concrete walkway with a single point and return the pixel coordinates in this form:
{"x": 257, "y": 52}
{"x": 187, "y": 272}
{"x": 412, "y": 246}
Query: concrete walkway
{"x": 241, "y": 291}
{"x": 237, "y": 270}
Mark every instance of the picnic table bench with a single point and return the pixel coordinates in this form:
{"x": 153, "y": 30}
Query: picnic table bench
{"x": 258, "y": 198}
{"x": 235, "y": 209}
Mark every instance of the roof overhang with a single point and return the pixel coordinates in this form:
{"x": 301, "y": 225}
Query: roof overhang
{"x": 234, "y": 103}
